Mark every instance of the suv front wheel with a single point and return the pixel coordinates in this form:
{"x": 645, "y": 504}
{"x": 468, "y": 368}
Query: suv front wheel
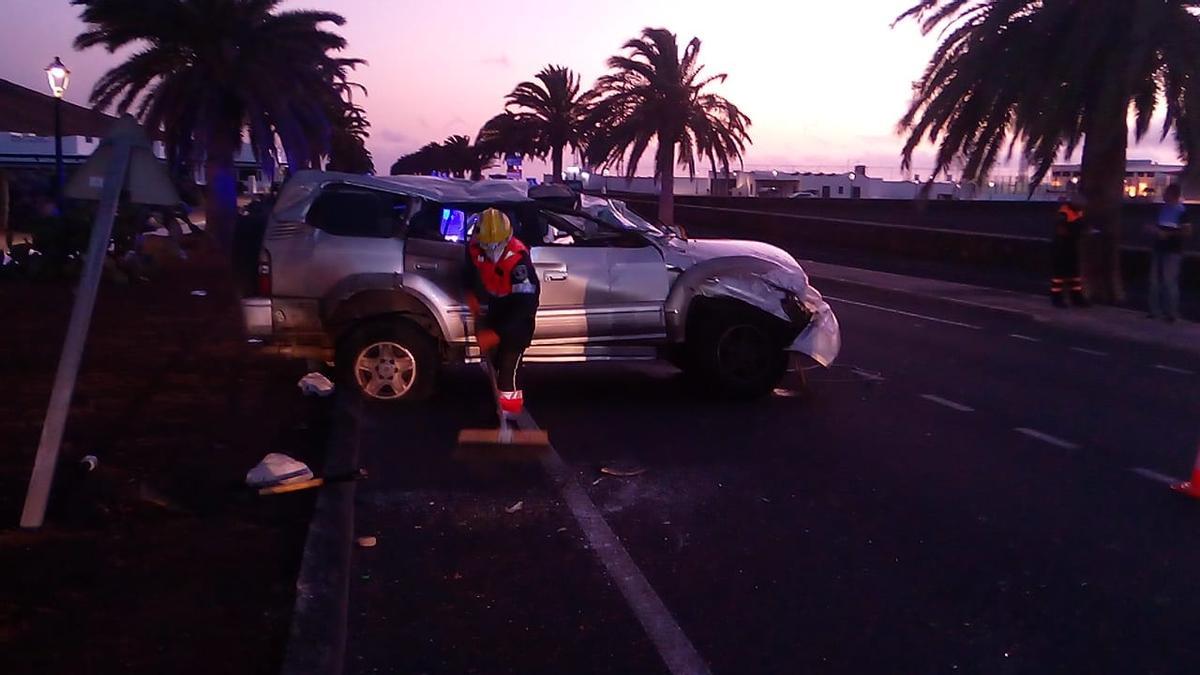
{"x": 738, "y": 354}
{"x": 389, "y": 361}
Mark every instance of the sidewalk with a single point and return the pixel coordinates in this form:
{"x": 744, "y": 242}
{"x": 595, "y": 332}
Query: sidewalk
{"x": 1112, "y": 322}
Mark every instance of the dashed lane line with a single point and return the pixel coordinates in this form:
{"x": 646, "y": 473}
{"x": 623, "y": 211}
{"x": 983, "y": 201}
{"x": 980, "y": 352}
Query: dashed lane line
{"x": 676, "y": 650}
{"x": 1092, "y": 352}
{"x": 1156, "y": 476}
{"x": 1172, "y": 369}
{"x": 1047, "y": 438}
{"x": 1026, "y": 338}
{"x": 903, "y": 313}
{"x": 947, "y": 403}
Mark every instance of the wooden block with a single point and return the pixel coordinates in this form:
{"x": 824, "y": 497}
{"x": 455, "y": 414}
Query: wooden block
{"x": 483, "y": 445}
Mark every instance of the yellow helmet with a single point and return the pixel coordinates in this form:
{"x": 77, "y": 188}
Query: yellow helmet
{"x": 494, "y": 228}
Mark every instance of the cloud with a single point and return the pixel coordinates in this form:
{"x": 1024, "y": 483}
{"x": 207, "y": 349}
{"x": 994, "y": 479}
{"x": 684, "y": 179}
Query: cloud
{"x": 501, "y": 61}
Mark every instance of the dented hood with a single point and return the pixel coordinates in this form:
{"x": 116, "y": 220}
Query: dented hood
{"x": 685, "y": 253}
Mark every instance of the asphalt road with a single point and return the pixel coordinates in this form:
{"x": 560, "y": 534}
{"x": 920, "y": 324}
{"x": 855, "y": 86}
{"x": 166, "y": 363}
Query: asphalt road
{"x": 957, "y": 495}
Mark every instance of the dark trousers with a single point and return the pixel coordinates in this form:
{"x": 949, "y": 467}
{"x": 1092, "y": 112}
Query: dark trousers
{"x": 1065, "y": 268}
{"x": 507, "y": 361}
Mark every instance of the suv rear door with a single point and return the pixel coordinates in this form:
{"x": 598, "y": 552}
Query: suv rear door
{"x": 348, "y": 241}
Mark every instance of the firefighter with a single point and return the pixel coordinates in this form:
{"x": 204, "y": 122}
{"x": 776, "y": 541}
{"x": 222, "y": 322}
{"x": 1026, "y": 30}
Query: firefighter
{"x": 1065, "y": 276}
{"x": 502, "y": 292}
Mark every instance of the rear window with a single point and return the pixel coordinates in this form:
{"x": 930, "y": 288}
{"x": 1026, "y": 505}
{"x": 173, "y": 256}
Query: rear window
{"x": 348, "y": 211}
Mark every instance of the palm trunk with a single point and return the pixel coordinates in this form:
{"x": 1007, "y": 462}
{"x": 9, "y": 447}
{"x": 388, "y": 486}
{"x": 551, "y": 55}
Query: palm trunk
{"x": 666, "y": 180}
{"x": 8, "y": 238}
{"x": 556, "y": 163}
{"x": 220, "y": 196}
{"x": 1103, "y": 186}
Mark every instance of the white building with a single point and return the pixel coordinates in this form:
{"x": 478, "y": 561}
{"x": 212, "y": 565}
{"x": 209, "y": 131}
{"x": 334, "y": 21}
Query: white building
{"x": 854, "y": 184}
{"x": 1144, "y": 178}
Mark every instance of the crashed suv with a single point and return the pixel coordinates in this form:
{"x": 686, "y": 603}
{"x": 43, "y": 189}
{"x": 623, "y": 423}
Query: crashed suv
{"x": 368, "y": 270}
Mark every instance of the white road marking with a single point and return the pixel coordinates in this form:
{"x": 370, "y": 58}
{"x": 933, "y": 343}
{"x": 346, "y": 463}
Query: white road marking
{"x": 1092, "y": 352}
{"x": 1156, "y": 476}
{"x": 867, "y": 375}
{"x": 1047, "y": 438}
{"x": 1171, "y": 369}
{"x": 1024, "y": 337}
{"x": 903, "y": 313}
{"x": 676, "y": 650}
{"x": 948, "y": 403}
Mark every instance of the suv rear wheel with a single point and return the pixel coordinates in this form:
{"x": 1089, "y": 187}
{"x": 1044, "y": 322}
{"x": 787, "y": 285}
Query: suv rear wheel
{"x": 389, "y": 361}
{"x": 738, "y": 354}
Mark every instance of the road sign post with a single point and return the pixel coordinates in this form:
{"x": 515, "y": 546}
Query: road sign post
{"x": 104, "y": 176}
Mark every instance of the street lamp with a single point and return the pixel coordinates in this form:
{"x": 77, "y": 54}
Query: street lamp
{"x": 59, "y": 78}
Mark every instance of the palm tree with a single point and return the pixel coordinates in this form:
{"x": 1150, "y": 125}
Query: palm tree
{"x": 506, "y": 134}
{"x": 655, "y": 92}
{"x": 205, "y": 70}
{"x": 1054, "y": 76}
{"x": 465, "y": 159}
{"x": 348, "y": 142}
{"x": 543, "y": 117}
{"x": 456, "y": 156}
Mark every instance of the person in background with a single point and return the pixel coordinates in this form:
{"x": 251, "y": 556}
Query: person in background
{"x": 1064, "y": 248}
{"x": 1170, "y": 232}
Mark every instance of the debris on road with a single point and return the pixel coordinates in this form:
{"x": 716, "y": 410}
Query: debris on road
{"x": 89, "y": 463}
{"x": 277, "y": 469}
{"x": 316, "y": 383}
{"x": 199, "y": 293}
{"x": 367, "y": 542}
{"x": 515, "y": 507}
{"x": 623, "y": 469}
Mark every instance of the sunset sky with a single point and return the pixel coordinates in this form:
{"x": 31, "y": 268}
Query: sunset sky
{"x": 824, "y": 82}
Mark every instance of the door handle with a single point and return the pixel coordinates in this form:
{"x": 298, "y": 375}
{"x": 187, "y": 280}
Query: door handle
{"x": 427, "y": 267}
{"x": 555, "y": 276}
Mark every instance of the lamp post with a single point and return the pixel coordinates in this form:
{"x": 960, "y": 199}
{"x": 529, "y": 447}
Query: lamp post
{"x": 59, "y": 78}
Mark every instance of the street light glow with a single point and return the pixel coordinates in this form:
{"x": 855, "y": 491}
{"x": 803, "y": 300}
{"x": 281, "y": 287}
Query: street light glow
{"x": 59, "y": 77}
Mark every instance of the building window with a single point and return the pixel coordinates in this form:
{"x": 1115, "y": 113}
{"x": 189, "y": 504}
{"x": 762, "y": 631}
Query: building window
{"x": 841, "y": 189}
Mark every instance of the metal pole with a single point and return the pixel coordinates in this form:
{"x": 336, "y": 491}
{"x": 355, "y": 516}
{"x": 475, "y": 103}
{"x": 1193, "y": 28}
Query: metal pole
{"x": 34, "y": 513}
{"x": 58, "y": 157}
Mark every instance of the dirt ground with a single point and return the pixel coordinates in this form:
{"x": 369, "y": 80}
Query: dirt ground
{"x": 160, "y": 560}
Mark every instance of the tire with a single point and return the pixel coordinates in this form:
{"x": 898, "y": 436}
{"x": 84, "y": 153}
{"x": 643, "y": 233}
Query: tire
{"x": 737, "y": 354}
{"x": 389, "y": 362}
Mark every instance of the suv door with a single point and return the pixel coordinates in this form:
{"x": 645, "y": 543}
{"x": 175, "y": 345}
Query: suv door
{"x": 348, "y": 241}
{"x": 434, "y": 258}
{"x": 598, "y": 284}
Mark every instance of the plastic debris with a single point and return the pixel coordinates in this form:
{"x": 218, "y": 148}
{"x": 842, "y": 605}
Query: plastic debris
{"x": 367, "y": 542}
{"x": 89, "y": 463}
{"x": 785, "y": 393}
{"x": 623, "y": 470}
{"x": 316, "y": 383}
{"x": 515, "y": 507}
{"x": 199, "y": 293}
{"x": 278, "y": 469}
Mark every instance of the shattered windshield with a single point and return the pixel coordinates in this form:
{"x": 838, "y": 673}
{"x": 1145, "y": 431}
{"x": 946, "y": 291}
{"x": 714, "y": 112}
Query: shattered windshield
{"x": 619, "y": 214}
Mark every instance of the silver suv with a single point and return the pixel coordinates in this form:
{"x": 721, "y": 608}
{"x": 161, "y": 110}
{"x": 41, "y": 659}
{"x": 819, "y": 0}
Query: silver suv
{"x": 369, "y": 270}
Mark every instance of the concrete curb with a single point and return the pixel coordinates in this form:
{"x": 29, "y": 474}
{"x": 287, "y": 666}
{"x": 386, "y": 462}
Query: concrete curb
{"x": 317, "y": 638}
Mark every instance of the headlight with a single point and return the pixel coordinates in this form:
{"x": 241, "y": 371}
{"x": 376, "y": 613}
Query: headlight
{"x": 794, "y": 307}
